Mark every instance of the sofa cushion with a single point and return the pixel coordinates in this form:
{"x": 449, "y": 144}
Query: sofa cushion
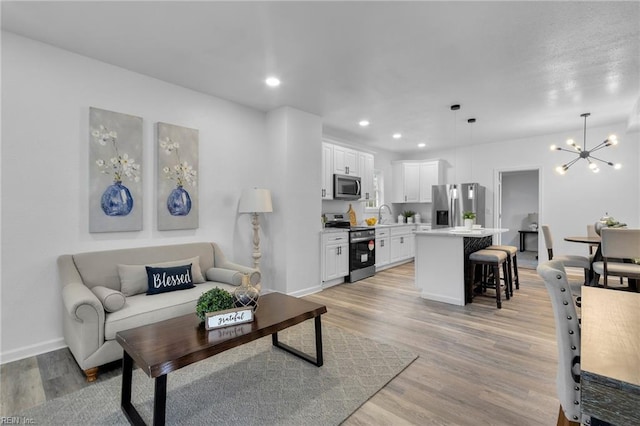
{"x": 142, "y": 310}
{"x": 163, "y": 280}
{"x": 133, "y": 278}
{"x": 112, "y": 300}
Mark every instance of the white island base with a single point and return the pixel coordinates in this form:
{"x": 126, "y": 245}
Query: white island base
{"x": 441, "y": 265}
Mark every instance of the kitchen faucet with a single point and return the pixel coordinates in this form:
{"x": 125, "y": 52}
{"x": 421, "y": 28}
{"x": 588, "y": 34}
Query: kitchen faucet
{"x": 380, "y": 212}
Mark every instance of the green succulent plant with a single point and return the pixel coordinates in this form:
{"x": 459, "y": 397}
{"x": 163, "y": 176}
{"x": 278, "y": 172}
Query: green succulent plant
{"x": 213, "y": 300}
{"x": 408, "y": 213}
{"x": 468, "y": 215}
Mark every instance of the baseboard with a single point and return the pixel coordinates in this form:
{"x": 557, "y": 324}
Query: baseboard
{"x": 32, "y": 350}
{"x": 307, "y": 291}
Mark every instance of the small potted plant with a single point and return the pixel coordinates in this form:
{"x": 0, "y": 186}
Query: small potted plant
{"x": 469, "y": 218}
{"x": 408, "y": 215}
{"x": 213, "y": 300}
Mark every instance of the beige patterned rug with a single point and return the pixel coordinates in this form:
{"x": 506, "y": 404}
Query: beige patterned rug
{"x": 254, "y": 384}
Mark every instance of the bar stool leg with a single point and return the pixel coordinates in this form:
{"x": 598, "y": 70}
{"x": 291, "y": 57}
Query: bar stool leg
{"x": 515, "y": 271}
{"x": 496, "y": 273}
{"x": 508, "y": 284}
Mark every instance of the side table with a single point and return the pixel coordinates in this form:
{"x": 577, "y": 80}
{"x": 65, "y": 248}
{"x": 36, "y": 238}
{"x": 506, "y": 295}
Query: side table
{"x": 523, "y": 233}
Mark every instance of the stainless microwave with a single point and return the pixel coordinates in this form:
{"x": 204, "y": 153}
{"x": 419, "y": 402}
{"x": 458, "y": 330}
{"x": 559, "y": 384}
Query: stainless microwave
{"x": 346, "y": 187}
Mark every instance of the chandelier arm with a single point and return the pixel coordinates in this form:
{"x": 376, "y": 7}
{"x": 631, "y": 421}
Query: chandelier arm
{"x": 601, "y": 160}
{"x": 571, "y": 163}
{"x": 597, "y": 147}
{"x": 566, "y": 150}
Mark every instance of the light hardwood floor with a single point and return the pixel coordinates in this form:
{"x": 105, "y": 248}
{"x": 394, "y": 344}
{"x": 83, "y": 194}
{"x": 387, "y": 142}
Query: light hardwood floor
{"x": 477, "y": 365}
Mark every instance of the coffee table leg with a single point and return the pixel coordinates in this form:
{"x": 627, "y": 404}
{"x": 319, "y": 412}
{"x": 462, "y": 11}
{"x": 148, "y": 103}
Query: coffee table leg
{"x": 318, "y": 360}
{"x": 127, "y": 375}
{"x": 160, "y": 400}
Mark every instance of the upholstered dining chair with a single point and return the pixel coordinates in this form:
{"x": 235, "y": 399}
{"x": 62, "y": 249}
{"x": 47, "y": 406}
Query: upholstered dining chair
{"x": 618, "y": 244}
{"x": 569, "y": 260}
{"x": 568, "y": 339}
{"x": 591, "y": 232}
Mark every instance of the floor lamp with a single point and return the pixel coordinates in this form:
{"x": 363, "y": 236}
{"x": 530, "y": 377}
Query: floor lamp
{"x": 255, "y": 201}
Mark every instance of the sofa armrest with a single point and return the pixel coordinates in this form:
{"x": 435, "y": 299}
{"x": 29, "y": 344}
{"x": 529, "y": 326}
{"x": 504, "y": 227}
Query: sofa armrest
{"x": 78, "y": 300}
{"x": 75, "y": 297}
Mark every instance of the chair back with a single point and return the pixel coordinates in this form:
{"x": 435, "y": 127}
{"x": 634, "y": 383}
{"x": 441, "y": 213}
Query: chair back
{"x": 567, "y": 337}
{"x": 620, "y": 243}
{"x": 591, "y": 232}
{"x": 548, "y": 240}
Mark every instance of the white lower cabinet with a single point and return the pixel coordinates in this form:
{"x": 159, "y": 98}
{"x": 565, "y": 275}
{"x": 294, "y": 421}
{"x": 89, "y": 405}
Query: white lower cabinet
{"x": 394, "y": 245}
{"x": 383, "y": 247}
{"x": 335, "y": 256}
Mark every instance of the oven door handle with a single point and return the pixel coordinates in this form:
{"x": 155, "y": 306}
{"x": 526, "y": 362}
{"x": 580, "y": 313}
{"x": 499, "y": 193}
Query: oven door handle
{"x": 360, "y": 240}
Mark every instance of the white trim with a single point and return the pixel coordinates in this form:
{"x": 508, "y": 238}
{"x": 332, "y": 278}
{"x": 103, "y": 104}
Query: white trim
{"x": 305, "y": 291}
{"x": 32, "y": 350}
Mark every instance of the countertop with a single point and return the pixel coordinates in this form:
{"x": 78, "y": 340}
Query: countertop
{"x": 452, "y": 232}
{"x": 383, "y": 226}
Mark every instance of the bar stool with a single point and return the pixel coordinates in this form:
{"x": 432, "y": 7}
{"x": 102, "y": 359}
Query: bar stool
{"x": 512, "y": 263}
{"x": 490, "y": 259}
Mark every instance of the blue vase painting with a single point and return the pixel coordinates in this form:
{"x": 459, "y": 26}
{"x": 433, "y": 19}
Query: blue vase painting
{"x": 177, "y": 177}
{"x": 116, "y": 200}
{"x": 179, "y": 202}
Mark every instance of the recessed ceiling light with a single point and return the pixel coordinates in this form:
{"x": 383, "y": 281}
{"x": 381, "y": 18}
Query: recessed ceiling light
{"x": 397, "y": 135}
{"x": 422, "y": 145}
{"x": 364, "y": 123}
{"x": 272, "y": 81}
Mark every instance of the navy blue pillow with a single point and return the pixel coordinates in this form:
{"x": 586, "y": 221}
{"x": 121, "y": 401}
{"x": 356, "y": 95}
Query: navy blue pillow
{"x": 162, "y": 280}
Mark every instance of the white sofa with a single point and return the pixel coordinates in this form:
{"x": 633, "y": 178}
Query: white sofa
{"x": 91, "y": 288}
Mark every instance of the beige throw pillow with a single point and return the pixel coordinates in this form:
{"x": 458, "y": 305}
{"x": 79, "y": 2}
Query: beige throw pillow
{"x": 112, "y": 300}
{"x": 133, "y": 278}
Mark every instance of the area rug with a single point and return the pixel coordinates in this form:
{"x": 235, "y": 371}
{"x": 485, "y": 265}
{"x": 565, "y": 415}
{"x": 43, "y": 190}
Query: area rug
{"x": 254, "y": 384}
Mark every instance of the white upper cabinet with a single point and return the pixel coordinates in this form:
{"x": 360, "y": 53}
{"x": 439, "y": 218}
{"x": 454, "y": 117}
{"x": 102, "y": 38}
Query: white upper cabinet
{"x": 327, "y": 171}
{"x": 412, "y": 180}
{"x": 345, "y": 161}
{"x": 365, "y": 167}
{"x": 340, "y": 160}
{"x": 429, "y": 176}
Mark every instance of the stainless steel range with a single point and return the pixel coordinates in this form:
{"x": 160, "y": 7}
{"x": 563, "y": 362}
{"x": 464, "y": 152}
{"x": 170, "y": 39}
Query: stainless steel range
{"x": 362, "y": 247}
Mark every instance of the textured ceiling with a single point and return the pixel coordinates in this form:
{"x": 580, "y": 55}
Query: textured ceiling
{"x": 520, "y": 68}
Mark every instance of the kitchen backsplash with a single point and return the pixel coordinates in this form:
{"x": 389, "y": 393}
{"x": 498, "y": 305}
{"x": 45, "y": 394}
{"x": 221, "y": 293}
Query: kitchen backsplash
{"x": 334, "y": 206}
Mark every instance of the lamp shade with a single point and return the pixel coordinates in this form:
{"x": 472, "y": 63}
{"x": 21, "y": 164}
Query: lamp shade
{"x": 255, "y": 200}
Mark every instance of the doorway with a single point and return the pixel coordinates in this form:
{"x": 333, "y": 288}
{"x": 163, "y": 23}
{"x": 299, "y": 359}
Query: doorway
{"x": 518, "y": 209}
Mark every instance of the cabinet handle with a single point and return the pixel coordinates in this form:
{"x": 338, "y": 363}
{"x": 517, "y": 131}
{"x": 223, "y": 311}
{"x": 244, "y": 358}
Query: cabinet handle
{"x": 346, "y": 169}
{"x": 401, "y": 240}
{"x": 324, "y": 192}
{"x": 367, "y": 196}
{"x": 382, "y": 243}
{"x": 405, "y": 198}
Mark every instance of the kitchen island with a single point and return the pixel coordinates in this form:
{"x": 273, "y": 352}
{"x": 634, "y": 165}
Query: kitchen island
{"x": 441, "y": 262}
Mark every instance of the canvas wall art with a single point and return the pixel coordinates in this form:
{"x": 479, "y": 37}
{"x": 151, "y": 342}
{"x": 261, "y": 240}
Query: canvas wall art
{"x": 178, "y": 201}
{"x": 115, "y": 171}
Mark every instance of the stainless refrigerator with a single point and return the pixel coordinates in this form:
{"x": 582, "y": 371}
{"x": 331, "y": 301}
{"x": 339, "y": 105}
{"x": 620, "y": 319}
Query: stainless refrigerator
{"x": 450, "y": 201}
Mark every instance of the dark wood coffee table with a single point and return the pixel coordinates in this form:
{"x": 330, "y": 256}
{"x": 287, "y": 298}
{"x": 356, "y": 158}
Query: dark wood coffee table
{"x": 166, "y": 346}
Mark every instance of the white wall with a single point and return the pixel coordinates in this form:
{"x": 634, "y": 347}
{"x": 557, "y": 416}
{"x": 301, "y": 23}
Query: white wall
{"x": 295, "y": 161}
{"x": 46, "y": 95}
{"x": 569, "y": 202}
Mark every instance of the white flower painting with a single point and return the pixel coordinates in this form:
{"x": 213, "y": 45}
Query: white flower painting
{"x": 177, "y": 177}
{"x": 115, "y": 183}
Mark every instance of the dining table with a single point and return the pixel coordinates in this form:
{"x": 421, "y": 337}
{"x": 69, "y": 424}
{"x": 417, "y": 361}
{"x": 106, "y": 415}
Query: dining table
{"x": 609, "y": 361}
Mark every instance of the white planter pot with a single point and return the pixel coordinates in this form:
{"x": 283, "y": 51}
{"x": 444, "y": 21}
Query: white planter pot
{"x": 468, "y": 223}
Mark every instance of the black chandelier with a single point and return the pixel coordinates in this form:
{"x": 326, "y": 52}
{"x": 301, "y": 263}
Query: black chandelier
{"x": 584, "y": 153}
